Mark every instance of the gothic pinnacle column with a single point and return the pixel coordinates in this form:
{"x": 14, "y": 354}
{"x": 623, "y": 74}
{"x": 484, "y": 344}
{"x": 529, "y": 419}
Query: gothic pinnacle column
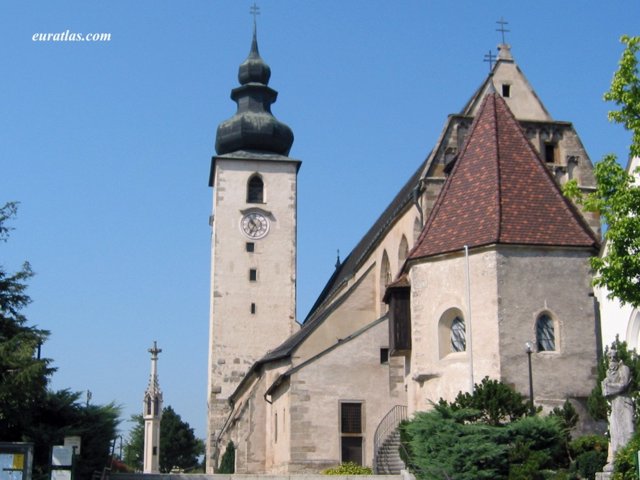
{"x": 152, "y": 414}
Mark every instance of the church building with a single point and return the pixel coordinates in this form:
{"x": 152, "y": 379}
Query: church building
{"x": 476, "y": 255}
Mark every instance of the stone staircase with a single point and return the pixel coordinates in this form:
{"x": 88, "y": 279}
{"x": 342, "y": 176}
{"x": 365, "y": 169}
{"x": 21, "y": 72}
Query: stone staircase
{"x": 386, "y": 443}
{"x": 388, "y": 461}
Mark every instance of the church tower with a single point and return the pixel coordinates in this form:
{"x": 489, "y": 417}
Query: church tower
{"x": 253, "y": 267}
{"x": 152, "y": 414}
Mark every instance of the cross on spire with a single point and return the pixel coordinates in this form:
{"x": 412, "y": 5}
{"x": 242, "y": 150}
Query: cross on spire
{"x": 489, "y": 57}
{"x": 255, "y": 11}
{"x": 502, "y": 22}
{"x": 154, "y": 351}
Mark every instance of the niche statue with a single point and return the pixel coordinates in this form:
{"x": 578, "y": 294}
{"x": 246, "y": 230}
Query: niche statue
{"x": 615, "y": 388}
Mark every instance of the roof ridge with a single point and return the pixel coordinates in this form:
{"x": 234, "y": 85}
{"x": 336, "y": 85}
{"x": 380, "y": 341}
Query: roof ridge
{"x": 438, "y": 203}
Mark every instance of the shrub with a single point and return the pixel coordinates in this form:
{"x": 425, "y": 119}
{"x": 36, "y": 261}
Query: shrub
{"x": 586, "y": 443}
{"x": 228, "y": 461}
{"x": 348, "y": 468}
{"x": 625, "y": 462}
{"x": 589, "y": 463}
{"x": 495, "y": 402}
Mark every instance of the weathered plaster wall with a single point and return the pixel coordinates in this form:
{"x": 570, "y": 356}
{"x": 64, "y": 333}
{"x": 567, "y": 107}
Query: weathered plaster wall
{"x": 557, "y": 282}
{"x": 351, "y": 372}
{"x": 438, "y": 285}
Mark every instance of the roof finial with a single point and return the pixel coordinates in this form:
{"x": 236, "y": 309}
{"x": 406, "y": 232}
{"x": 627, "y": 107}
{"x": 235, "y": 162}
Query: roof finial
{"x": 502, "y": 22}
{"x": 154, "y": 351}
{"x": 255, "y": 11}
{"x": 490, "y": 57}
{"x": 338, "y": 259}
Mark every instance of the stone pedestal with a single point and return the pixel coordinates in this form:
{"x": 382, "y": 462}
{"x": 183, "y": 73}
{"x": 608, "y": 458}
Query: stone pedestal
{"x": 604, "y": 476}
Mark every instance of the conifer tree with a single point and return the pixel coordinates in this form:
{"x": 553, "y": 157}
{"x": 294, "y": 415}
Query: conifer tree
{"x": 23, "y": 375}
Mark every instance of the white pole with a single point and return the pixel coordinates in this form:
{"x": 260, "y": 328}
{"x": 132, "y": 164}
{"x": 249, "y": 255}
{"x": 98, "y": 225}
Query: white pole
{"x": 468, "y": 321}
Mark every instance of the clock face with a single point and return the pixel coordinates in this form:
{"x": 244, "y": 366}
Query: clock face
{"x": 255, "y": 225}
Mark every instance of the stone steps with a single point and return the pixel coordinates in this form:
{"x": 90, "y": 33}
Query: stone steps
{"x": 388, "y": 461}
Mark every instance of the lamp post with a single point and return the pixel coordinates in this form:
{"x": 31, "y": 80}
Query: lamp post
{"x": 529, "y": 349}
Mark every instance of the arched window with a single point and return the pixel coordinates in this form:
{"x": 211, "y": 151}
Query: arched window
{"x": 255, "y": 189}
{"x": 403, "y": 251}
{"x": 458, "y": 335}
{"x": 452, "y": 335}
{"x": 385, "y": 278}
{"x": 417, "y": 229}
{"x": 545, "y": 333}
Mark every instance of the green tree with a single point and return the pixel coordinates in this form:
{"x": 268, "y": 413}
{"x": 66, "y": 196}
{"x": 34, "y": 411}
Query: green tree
{"x": 134, "y": 448}
{"x": 28, "y": 411}
{"x": 490, "y": 434}
{"x": 493, "y": 401}
{"x": 179, "y": 447}
{"x": 23, "y": 376}
{"x": 448, "y": 443}
{"x": 228, "y": 461}
{"x": 617, "y": 196}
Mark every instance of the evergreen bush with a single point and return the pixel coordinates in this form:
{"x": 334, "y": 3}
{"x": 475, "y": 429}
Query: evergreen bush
{"x": 228, "y": 461}
{"x": 348, "y": 468}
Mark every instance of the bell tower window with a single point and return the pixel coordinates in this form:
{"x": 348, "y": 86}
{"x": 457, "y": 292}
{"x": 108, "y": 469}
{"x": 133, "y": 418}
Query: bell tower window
{"x": 550, "y": 152}
{"x": 255, "y": 189}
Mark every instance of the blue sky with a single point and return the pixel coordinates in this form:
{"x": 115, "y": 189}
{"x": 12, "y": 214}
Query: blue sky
{"x": 107, "y": 146}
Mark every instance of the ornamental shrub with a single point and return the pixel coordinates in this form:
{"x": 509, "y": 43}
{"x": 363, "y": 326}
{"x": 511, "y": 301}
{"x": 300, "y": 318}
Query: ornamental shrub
{"x": 348, "y": 468}
{"x": 625, "y": 464}
{"x": 228, "y": 461}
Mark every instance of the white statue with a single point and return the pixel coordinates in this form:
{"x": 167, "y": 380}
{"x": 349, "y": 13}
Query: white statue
{"x": 621, "y": 419}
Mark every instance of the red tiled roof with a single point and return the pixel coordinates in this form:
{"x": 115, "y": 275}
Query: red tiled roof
{"x": 500, "y": 191}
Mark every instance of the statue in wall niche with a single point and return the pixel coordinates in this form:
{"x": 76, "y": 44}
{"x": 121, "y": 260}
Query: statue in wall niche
{"x": 615, "y": 388}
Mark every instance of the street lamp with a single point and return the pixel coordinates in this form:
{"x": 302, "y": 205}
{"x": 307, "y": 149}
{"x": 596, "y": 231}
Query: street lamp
{"x": 528, "y": 347}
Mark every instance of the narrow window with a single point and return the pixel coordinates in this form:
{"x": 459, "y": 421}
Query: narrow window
{"x": 253, "y": 309}
{"x": 384, "y": 355}
{"x": 458, "y": 337}
{"x": 545, "y": 333}
{"x": 403, "y": 250}
{"x": 253, "y": 275}
{"x": 251, "y": 247}
{"x": 148, "y": 405}
{"x": 255, "y": 190}
{"x": 276, "y": 429}
{"x": 351, "y": 430}
{"x": 506, "y": 90}
{"x": 549, "y": 152}
{"x": 385, "y": 279}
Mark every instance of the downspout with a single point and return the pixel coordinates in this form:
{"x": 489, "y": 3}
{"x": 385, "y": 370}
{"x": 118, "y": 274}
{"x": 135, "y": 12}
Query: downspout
{"x": 468, "y": 322}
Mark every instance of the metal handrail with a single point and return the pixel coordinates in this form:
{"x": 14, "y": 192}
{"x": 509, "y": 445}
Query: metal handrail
{"x": 386, "y": 427}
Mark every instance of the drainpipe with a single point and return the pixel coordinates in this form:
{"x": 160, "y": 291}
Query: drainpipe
{"x": 468, "y": 322}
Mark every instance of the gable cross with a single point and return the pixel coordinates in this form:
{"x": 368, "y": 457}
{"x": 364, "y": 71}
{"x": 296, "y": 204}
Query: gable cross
{"x": 502, "y": 22}
{"x": 489, "y": 57}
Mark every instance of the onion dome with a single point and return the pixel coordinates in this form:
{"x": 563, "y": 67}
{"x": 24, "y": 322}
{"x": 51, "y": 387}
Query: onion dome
{"x": 254, "y": 127}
